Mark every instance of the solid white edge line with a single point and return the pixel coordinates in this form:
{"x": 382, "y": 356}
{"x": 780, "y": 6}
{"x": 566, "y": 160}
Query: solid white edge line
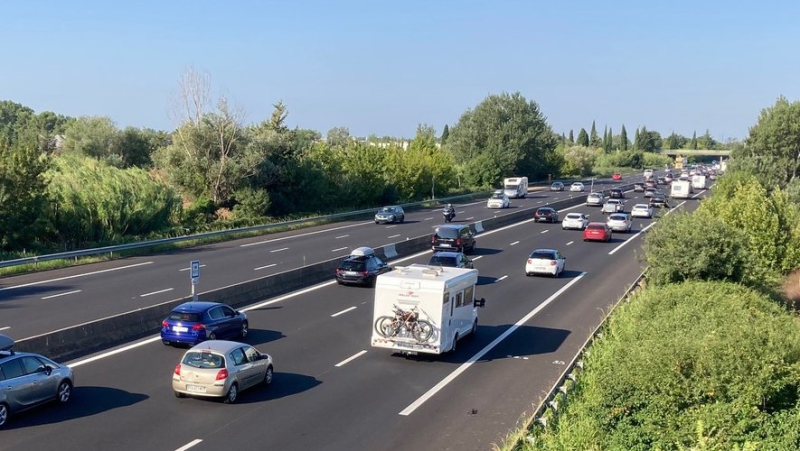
{"x": 350, "y": 359}
{"x": 279, "y": 250}
{"x": 464, "y": 366}
{"x": 115, "y": 351}
{"x": 155, "y": 292}
{"x": 75, "y": 276}
{"x": 189, "y": 445}
{"x": 265, "y": 267}
{"x": 61, "y": 294}
{"x": 344, "y": 311}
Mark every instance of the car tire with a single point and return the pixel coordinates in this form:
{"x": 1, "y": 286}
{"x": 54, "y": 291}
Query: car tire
{"x": 166, "y": 342}
{"x": 269, "y": 376}
{"x": 4, "y": 414}
{"x": 474, "y": 331}
{"x": 212, "y": 336}
{"x": 64, "y": 392}
{"x": 402, "y": 219}
{"x": 179, "y": 394}
{"x": 455, "y": 342}
{"x": 232, "y": 395}
{"x": 244, "y": 330}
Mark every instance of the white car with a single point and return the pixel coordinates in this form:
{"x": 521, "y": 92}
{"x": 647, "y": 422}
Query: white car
{"x": 575, "y": 221}
{"x": 595, "y": 199}
{"x": 619, "y": 222}
{"x": 577, "y": 187}
{"x": 613, "y": 206}
{"x": 642, "y": 211}
{"x": 498, "y": 200}
{"x": 545, "y": 261}
{"x": 648, "y": 173}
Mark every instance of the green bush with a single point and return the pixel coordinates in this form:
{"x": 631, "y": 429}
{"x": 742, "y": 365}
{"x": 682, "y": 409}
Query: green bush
{"x": 712, "y": 364}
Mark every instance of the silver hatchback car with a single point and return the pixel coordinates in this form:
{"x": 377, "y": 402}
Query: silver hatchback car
{"x": 28, "y": 380}
{"x": 221, "y": 369}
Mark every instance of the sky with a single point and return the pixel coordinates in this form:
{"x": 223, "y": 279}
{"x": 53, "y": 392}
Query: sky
{"x": 384, "y": 67}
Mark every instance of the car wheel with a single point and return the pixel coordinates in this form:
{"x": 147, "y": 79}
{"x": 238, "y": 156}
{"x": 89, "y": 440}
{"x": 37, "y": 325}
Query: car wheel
{"x": 212, "y": 336}
{"x": 64, "y": 392}
{"x": 243, "y": 332}
{"x": 455, "y": 341}
{"x": 376, "y": 222}
{"x": 166, "y": 342}
{"x": 268, "y": 376}
{"x": 474, "y": 330}
{"x": 402, "y": 219}
{"x": 232, "y": 395}
{"x": 3, "y": 414}
{"x": 179, "y": 395}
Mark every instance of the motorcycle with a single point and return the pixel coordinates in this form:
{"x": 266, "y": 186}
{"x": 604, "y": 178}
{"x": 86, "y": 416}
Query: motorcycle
{"x": 449, "y": 214}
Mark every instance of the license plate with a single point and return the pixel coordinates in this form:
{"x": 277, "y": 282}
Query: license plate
{"x": 180, "y": 329}
{"x": 351, "y": 273}
{"x": 445, "y": 245}
{"x": 539, "y": 268}
{"x": 196, "y": 388}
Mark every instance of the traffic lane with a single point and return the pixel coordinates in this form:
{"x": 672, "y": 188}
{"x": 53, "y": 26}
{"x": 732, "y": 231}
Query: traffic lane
{"x": 102, "y": 295}
{"x": 134, "y": 371}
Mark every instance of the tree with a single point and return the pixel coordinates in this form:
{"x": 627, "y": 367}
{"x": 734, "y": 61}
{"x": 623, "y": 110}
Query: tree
{"x": 693, "y": 142}
{"x": 583, "y": 138}
{"x": 594, "y": 140}
{"x": 610, "y": 141}
{"x": 636, "y": 140}
{"x": 95, "y": 137}
{"x": 647, "y": 141}
{"x": 571, "y": 137}
{"x": 338, "y": 136}
{"x": 623, "y": 138}
{"x": 776, "y": 137}
{"x": 579, "y": 160}
{"x": 445, "y": 134}
{"x": 504, "y": 135}
{"x": 277, "y": 120}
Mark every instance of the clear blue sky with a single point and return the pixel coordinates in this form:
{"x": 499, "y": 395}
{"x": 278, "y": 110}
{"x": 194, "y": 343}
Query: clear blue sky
{"x": 383, "y": 67}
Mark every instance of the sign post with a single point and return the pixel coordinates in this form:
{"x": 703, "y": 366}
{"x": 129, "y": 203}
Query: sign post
{"x": 195, "y": 274}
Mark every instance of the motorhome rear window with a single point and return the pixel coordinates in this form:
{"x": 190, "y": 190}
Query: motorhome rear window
{"x": 353, "y": 265}
{"x": 187, "y": 317}
{"x": 447, "y": 233}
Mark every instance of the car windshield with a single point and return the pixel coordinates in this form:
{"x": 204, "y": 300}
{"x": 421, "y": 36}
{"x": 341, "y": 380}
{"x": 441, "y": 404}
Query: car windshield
{"x": 557, "y": 184}
{"x": 185, "y": 317}
{"x": 543, "y": 255}
{"x": 443, "y": 261}
{"x": 353, "y": 265}
{"x": 447, "y": 233}
{"x": 203, "y": 359}
{"x": 497, "y": 196}
{"x": 387, "y": 210}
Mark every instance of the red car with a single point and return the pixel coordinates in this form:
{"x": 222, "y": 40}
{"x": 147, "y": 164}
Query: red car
{"x": 597, "y": 231}
{"x": 616, "y": 177}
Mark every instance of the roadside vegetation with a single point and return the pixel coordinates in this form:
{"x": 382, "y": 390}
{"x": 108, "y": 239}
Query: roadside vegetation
{"x": 707, "y": 355}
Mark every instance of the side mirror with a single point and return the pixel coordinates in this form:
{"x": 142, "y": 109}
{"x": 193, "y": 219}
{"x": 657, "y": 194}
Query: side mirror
{"x": 44, "y": 369}
{"x": 480, "y": 302}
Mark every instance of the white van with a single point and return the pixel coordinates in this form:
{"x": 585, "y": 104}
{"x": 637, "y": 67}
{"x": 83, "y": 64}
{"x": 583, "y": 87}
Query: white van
{"x": 515, "y": 187}
{"x": 699, "y": 182}
{"x": 681, "y": 189}
{"x": 424, "y": 309}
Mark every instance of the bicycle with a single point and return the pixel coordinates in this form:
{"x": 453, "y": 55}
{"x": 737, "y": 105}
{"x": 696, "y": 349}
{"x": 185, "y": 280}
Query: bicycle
{"x": 408, "y": 321}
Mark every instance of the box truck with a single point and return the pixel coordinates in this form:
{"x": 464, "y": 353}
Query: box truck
{"x": 681, "y": 189}
{"x": 424, "y": 309}
{"x": 515, "y": 187}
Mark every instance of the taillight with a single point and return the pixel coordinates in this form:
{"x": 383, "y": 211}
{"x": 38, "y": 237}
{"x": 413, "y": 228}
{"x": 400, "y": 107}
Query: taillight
{"x": 433, "y": 239}
{"x": 165, "y": 324}
{"x": 222, "y": 375}
{"x": 530, "y": 261}
{"x": 553, "y": 263}
{"x": 458, "y": 241}
{"x": 198, "y": 327}
{"x": 178, "y": 369}
{"x": 364, "y": 273}
{"x": 338, "y": 270}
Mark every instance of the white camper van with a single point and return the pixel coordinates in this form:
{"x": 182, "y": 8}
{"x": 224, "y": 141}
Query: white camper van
{"x": 681, "y": 189}
{"x": 699, "y": 182}
{"x": 515, "y": 187}
{"x": 424, "y": 309}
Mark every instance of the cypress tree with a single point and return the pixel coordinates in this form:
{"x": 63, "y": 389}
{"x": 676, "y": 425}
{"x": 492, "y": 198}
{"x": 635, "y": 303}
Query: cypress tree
{"x": 623, "y": 138}
{"x": 693, "y": 144}
{"x": 445, "y": 133}
{"x": 571, "y": 137}
{"x": 583, "y": 138}
{"x": 594, "y": 140}
{"x": 610, "y": 142}
{"x": 636, "y": 139}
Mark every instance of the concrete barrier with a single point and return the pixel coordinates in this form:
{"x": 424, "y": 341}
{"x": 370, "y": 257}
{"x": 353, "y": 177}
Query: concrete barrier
{"x": 83, "y": 339}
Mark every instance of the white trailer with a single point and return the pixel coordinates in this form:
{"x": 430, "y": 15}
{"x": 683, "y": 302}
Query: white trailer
{"x": 441, "y": 303}
{"x": 515, "y": 187}
{"x": 699, "y": 182}
{"x": 681, "y": 189}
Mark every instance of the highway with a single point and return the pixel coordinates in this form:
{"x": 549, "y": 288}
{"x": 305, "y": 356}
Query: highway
{"x": 333, "y": 392}
{"x": 38, "y": 303}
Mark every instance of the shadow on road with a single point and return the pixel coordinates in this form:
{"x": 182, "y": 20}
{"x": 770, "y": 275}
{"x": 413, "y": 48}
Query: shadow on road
{"x": 258, "y": 337}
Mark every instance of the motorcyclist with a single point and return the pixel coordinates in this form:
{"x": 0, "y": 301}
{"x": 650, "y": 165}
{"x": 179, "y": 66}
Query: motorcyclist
{"x": 448, "y": 208}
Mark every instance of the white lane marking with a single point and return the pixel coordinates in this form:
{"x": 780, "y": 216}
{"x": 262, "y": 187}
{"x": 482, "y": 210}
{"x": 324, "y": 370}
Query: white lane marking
{"x": 462, "y": 211}
{"x": 698, "y": 194}
{"x": 339, "y": 249}
{"x": 114, "y": 352}
{"x": 642, "y": 231}
{"x": 305, "y": 234}
{"x": 264, "y": 267}
{"x": 545, "y": 231}
{"x": 540, "y": 202}
{"x": 570, "y": 243}
{"x": 75, "y": 276}
{"x": 350, "y": 359}
{"x": 344, "y": 311}
{"x": 343, "y": 236}
{"x": 156, "y": 292}
{"x": 471, "y": 217}
{"x": 478, "y": 257}
{"x": 189, "y": 445}
{"x": 186, "y": 269}
{"x": 502, "y": 278}
{"x": 61, "y": 294}
{"x": 393, "y": 236}
{"x": 427, "y": 219}
{"x": 5, "y": 328}
{"x": 389, "y": 227}
{"x": 279, "y": 250}
{"x": 464, "y": 366}
{"x": 514, "y": 243}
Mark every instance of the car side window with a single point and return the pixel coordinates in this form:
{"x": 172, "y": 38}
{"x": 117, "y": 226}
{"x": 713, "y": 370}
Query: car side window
{"x": 371, "y": 264}
{"x": 379, "y": 262}
{"x": 30, "y": 364}
{"x": 251, "y": 354}
{"x": 12, "y": 369}
{"x": 238, "y": 357}
{"x": 228, "y": 312}
{"x": 215, "y": 313}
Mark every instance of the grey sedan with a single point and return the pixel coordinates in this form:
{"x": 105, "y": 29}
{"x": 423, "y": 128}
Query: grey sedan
{"x": 29, "y": 380}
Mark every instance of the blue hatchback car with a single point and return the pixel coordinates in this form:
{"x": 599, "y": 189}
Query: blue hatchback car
{"x": 194, "y": 322}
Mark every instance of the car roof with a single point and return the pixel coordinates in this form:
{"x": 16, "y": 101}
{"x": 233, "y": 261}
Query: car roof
{"x": 574, "y": 214}
{"x": 546, "y": 208}
{"x": 221, "y": 346}
{"x": 617, "y": 216}
{"x": 599, "y": 224}
{"x": 447, "y": 254}
{"x": 363, "y": 251}
{"x": 195, "y": 307}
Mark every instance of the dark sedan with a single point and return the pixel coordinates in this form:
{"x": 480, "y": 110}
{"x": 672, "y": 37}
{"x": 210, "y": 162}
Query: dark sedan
{"x": 451, "y": 260}
{"x": 616, "y": 193}
{"x": 546, "y": 214}
{"x": 362, "y": 267}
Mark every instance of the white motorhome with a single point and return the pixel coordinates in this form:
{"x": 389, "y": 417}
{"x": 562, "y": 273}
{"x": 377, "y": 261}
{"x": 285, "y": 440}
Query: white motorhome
{"x": 515, "y": 187}
{"x": 424, "y": 309}
{"x": 681, "y": 189}
{"x": 699, "y": 182}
